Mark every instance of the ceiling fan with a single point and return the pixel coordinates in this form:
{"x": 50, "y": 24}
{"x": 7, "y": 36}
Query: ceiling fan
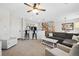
{"x": 35, "y": 7}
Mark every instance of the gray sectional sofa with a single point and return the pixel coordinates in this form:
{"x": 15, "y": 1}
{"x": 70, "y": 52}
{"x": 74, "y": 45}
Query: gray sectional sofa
{"x": 63, "y": 38}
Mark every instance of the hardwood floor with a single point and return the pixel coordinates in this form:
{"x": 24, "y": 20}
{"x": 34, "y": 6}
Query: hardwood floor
{"x": 26, "y": 48}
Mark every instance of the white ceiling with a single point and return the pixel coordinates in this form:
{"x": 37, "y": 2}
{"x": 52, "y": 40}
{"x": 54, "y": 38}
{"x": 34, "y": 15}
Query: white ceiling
{"x": 53, "y": 10}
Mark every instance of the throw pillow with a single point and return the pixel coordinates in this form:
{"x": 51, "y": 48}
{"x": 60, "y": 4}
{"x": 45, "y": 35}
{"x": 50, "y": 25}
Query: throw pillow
{"x": 75, "y": 38}
{"x": 50, "y": 34}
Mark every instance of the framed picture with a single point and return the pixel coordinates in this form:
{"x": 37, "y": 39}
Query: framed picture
{"x": 67, "y": 26}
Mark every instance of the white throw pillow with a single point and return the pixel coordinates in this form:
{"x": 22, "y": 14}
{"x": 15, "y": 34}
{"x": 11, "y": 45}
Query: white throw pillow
{"x": 50, "y": 34}
{"x": 75, "y": 37}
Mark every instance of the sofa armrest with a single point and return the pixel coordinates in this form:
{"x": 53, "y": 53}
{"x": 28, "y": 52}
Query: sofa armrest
{"x": 63, "y": 47}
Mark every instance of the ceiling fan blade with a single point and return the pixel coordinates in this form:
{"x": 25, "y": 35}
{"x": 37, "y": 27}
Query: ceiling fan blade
{"x": 29, "y": 10}
{"x": 42, "y": 9}
{"x": 27, "y": 4}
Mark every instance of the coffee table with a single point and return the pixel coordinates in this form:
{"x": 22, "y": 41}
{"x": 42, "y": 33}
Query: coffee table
{"x": 49, "y": 42}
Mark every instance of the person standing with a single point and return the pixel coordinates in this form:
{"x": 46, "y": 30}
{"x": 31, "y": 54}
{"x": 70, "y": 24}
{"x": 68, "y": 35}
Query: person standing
{"x": 34, "y": 34}
{"x": 27, "y": 32}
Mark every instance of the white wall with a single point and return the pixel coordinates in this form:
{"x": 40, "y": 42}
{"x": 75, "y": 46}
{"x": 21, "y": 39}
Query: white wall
{"x": 10, "y": 25}
{"x": 15, "y": 26}
{"x": 69, "y": 18}
{"x": 4, "y": 24}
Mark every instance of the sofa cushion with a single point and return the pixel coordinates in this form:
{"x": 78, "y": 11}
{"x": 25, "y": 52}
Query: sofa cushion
{"x": 61, "y": 35}
{"x": 69, "y": 42}
{"x": 68, "y": 36}
{"x": 60, "y": 40}
{"x": 63, "y": 47}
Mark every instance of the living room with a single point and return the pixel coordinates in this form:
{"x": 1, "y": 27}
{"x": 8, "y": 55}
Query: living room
{"x": 57, "y": 29}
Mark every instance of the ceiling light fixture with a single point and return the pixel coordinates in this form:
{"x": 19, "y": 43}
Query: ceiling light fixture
{"x": 35, "y": 8}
